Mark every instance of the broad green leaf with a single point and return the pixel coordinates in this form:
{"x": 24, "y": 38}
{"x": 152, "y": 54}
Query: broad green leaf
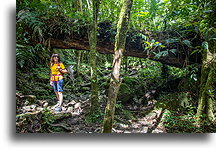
{"x": 197, "y": 50}
{"x": 172, "y": 40}
{"x": 165, "y": 53}
{"x": 162, "y": 46}
{"x": 152, "y": 41}
{"x": 187, "y": 42}
{"x": 188, "y": 24}
{"x": 147, "y": 43}
{"x": 145, "y": 13}
{"x": 143, "y": 37}
{"x": 18, "y": 45}
{"x": 140, "y": 15}
{"x": 162, "y": 53}
{"x": 172, "y": 51}
{"x": 21, "y": 63}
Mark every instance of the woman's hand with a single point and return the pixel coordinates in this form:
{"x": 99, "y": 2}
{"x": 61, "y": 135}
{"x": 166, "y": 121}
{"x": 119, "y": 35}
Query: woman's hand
{"x": 63, "y": 70}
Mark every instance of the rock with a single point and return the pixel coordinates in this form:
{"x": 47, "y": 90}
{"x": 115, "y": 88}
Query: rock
{"x": 73, "y": 121}
{"x": 70, "y": 109}
{"x": 77, "y": 105}
{"x": 116, "y": 131}
{"x": 39, "y": 108}
{"x": 45, "y": 104}
{"x": 29, "y": 108}
{"x": 123, "y": 126}
{"x": 49, "y": 107}
{"x": 151, "y": 115}
{"x": 27, "y": 103}
{"x": 144, "y": 130}
{"x": 71, "y": 103}
{"x": 157, "y": 131}
{"x": 75, "y": 113}
{"x": 135, "y": 125}
{"x": 154, "y": 120}
{"x": 40, "y": 102}
{"x": 144, "y": 122}
{"x": 33, "y": 107}
{"x": 97, "y": 130}
{"x": 30, "y": 98}
{"x": 64, "y": 108}
{"x": 26, "y": 108}
{"x": 127, "y": 131}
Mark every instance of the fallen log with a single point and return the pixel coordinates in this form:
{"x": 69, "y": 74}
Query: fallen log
{"x": 108, "y": 48}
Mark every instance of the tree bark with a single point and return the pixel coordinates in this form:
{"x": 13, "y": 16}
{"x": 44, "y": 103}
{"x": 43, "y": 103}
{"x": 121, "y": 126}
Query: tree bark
{"x": 93, "y": 41}
{"x": 206, "y": 96}
{"x": 107, "y": 48}
{"x": 115, "y": 81}
{"x": 78, "y": 53}
{"x": 208, "y": 82}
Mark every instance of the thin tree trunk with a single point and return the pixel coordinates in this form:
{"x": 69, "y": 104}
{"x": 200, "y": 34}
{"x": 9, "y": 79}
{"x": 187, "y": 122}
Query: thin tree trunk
{"x": 80, "y": 6}
{"x": 93, "y": 58}
{"x": 88, "y": 4}
{"x": 115, "y": 81}
{"x": 78, "y": 53}
{"x": 126, "y": 65}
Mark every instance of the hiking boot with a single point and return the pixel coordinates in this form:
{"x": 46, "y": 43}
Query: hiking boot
{"x": 58, "y": 109}
{"x": 58, "y": 103}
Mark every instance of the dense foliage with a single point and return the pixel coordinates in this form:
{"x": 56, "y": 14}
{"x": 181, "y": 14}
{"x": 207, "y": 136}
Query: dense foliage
{"x": 175, "y": 91}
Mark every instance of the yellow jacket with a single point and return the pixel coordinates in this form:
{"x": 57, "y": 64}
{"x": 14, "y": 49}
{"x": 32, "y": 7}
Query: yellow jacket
{"x": 55, "y": 73}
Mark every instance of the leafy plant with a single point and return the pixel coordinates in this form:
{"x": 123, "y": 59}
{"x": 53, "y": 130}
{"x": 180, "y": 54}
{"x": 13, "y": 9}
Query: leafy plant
{"x": 151, "y": 46}
{"x": 177, "y": 123}
{"x": 28, "y": 56}
{"x": 47, "y": 117}
{"x": 94, "y": 118}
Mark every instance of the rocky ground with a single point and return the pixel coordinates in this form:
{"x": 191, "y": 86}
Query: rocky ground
{"x": 41, "y": 117}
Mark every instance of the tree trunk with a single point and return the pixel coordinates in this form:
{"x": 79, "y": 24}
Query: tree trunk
{"x": 78, "y": 5}
{"x": 93, "y": 58}
{"x": 126, "y": 65}
{"x": 207, "y": 87}
{"x": 206, "y": 96}
{"x": 208, "y": 82}
{"x": 78, "y": 53}
{"x": 115, "y": 81}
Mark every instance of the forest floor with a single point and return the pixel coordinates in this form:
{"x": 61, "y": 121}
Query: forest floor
{"x": 41, "y": 117}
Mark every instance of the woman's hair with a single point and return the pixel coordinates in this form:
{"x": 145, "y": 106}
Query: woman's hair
{"x": 52, "y": 58}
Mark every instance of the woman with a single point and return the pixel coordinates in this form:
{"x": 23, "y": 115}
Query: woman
{"x": 56, "y": 78}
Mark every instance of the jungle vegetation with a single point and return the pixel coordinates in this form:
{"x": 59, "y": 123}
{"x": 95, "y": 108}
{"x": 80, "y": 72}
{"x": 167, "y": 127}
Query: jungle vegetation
{"x": 135, "y": 66}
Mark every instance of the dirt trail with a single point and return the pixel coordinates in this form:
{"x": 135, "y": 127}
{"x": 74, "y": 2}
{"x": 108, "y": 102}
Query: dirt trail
{"x": 41, "y": 117}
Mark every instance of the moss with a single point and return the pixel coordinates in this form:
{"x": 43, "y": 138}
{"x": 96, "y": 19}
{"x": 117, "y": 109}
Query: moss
{"x": 207, "y": 86}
